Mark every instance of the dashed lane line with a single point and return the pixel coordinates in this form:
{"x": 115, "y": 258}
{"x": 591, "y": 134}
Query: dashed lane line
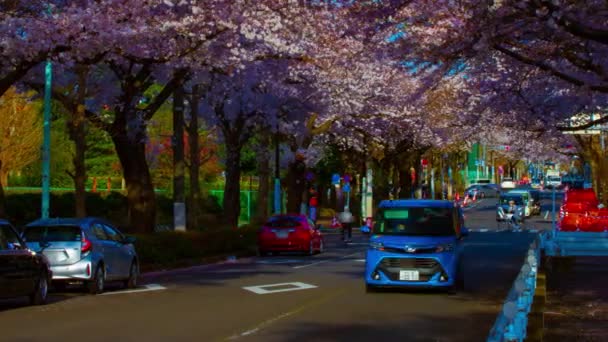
{"x": 268, "y": 322}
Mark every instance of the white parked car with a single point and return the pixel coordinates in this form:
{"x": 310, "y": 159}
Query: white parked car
{"x": 507, "y": 183}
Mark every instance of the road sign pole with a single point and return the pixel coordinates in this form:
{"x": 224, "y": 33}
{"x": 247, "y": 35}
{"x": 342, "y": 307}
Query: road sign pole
{"x": 432, "y": 183}
{"x": 46, "y": 141}
{"x": 553, "y": 223}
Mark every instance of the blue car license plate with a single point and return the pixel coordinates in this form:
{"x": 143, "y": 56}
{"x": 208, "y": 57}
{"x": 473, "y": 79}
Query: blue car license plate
{"x": 409, "y": 275}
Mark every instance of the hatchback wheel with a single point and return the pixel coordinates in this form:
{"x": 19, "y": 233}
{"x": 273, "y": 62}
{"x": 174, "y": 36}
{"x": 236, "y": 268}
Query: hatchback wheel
{"x": 41, "y": 292}
{"x": 97, "y": 284}
{"x": 131, "y": 282}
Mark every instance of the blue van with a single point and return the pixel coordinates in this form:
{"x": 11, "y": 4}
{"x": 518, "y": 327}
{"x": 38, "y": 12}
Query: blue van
{"x": 416, "y": 243}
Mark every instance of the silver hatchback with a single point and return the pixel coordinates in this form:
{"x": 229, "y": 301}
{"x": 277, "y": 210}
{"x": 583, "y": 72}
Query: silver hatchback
{"x": 88, "y": 249}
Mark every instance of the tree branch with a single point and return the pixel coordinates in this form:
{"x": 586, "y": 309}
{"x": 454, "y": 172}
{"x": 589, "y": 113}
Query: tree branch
{"x": 549, "y": 68}
{"x": 69, "y": 104}
{"x": 168, "y": 89}
{"x": 577, "y": 28}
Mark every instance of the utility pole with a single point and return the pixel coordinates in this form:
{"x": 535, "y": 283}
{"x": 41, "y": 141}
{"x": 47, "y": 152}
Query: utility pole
{"x": 277, "y": 172}
{"x": 46, "y": 141}
{"x": 179, "y": 165}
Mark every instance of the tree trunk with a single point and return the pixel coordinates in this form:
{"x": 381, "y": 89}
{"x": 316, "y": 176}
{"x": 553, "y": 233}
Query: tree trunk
{"x": 264, "y": 176}
{"x": 195, "y": 161}
{"x": 76, "y": 129}
{"x": 140, "y": 190}
{"x": 296, "y": 179}
{"x": 2, "y": 197}
{"x": 396, "y": 181}
{"x": 232, "y": 188}
{"x": 4, "y": 177}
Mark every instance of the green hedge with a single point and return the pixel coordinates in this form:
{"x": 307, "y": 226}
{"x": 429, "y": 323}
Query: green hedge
{"x": 24, "y": 207}
{"x": 175, "y": 248}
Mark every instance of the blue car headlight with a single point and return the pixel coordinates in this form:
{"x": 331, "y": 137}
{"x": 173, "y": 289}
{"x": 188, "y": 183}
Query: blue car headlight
{"x": 444, "y": 248}
{"x": 376, "y": 245}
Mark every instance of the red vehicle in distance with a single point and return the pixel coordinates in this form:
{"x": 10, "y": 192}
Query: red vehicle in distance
{"x": 290, "y": 233}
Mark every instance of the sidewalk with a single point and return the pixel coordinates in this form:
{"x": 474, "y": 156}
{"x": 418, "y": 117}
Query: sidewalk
{"x": 577, "y": 300}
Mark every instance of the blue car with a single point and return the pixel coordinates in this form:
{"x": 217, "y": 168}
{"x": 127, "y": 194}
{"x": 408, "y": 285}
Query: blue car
{"x": 416, "y": 243}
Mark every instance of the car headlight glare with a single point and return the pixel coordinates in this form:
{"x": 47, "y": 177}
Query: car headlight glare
{"x": 444, "y": 248}
{"x": 376, "y": 245}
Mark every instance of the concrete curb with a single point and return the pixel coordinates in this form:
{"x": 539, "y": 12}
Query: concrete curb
{"x": 512, "y": 321}
{"x": 536, "y": 317}
{"x": 203, "y": 263}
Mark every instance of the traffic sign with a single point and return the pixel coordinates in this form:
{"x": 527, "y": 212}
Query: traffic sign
{"x": 335, "y": 179}
{"x": 346, "y": 187}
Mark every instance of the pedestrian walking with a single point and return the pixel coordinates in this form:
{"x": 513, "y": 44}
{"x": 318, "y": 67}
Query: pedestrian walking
{"x": 312, "y": 205}
{"x": 346, "y": 219}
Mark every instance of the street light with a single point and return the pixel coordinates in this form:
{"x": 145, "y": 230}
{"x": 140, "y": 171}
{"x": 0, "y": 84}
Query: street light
{"x": 46, "y": 137}
{"x": 46, "y": 140}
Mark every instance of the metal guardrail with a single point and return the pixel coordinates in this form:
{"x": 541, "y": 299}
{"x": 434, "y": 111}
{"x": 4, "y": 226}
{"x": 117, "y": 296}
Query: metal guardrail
{"x": 560, "y": 243}
{"x": 512, "y": 321}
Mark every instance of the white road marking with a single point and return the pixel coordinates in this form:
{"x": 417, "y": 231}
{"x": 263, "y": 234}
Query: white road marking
{"x": 484, "y": 230}
{"x": 325, "y": 261}
{"x": 147, "y": 288}
{"x": 272, "y": 320}
{"x": 279, "y": 261}
{"x": 360, "y": 260}
{"x": 266, "y": 289}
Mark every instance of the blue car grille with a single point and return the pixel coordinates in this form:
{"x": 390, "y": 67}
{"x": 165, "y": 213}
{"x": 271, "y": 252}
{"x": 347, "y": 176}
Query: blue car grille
{"x": 416, "y": 251}
{"x": 426, "y": 266}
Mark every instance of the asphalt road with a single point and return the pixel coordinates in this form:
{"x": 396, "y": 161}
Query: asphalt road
{"x": 322, "y": 298}
{"x": 481, "y": 215}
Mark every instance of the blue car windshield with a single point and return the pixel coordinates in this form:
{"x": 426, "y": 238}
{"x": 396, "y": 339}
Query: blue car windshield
{"x": 415, "y": 222}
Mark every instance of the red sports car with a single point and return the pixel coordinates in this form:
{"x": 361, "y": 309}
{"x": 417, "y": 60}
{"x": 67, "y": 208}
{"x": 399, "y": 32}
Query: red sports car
{"x": 290, "y": 233}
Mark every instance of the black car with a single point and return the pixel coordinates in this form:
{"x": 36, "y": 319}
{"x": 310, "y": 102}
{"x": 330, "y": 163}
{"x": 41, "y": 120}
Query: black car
{"x": 22, "y": 271}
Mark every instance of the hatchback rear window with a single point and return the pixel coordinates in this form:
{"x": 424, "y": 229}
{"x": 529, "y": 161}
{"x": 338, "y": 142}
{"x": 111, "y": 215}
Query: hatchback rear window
{"x": 286, "y": 221}
{"x": 52, "y": 233}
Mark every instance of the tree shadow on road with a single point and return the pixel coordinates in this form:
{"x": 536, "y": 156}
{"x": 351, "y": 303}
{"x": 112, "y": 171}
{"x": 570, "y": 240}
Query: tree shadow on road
{"x": 439, "y": 327}
{"x": 23, "y": 302}
{"x": 217, "y": 275}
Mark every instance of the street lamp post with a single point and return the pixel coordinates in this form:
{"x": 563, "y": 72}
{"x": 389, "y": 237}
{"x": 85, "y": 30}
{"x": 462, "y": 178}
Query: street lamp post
{"x": 277, "y": 173}
{"x": 46, "y": 141}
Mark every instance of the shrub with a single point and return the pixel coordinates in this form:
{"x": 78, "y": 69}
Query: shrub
{"x": 169, "y": 248}
{"x": 24, "y": 207}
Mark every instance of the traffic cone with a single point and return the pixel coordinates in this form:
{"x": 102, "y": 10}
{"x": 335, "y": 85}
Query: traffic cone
{"x": 475, "y": 197}
{"x": 466, "y": 201}
{"x": 457, "y": 197}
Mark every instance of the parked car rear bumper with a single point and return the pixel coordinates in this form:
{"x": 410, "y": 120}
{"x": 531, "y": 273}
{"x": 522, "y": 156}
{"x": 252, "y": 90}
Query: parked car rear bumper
{"x": 285, "y": 245}
{"x": 81, "y": 270}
